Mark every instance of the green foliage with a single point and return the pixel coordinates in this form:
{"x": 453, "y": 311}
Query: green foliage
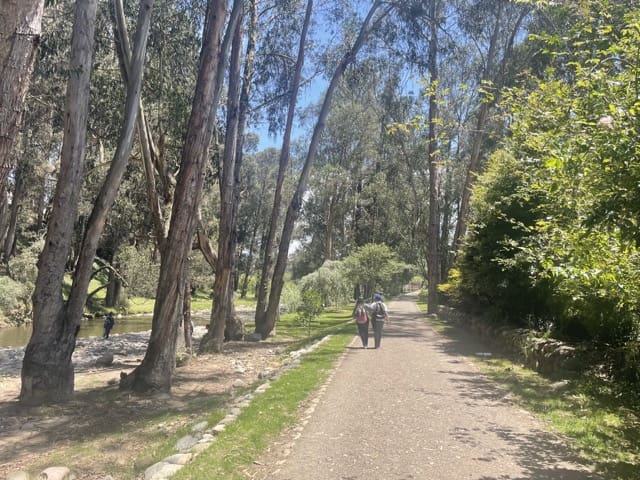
{"x": 17, "y": 288}
{"x": 555, "y": 236}
{"x": 15, "y": 299}
{"x": 140, "y": 268}
{"x": 330, "y": 282}
{"x": 310, "y": 309}
{"x": 291, "y": 297}
{"x": 23, "y": 267}
{"x": 492, "y": 268}
{"x": 375, "y": 267}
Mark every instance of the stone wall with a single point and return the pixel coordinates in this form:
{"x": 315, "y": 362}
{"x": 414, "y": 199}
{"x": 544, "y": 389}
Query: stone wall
{"x": 545, "y": 355}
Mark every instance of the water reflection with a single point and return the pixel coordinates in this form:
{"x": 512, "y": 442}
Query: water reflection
{"x": 19, "y": 336}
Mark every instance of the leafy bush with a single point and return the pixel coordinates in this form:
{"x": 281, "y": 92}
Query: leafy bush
{"x": 330, "y": 282}
{"x": 141, "y": 269}
{"x": 375, "y": 267}
{"x": 493, "y": 269}
{"x": 310, "y": 309}
{"x": 291, "y": 297}
{"x": 23, "y": 267}
{"x": 15, "y": 299}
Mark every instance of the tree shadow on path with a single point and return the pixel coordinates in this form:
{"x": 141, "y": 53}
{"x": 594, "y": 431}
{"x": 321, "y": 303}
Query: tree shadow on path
{"x": 543, "y": 455}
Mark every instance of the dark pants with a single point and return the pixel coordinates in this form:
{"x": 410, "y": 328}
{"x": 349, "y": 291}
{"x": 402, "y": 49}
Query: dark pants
{"x": 377, "y": 332}
{"x": 363, "y": 331}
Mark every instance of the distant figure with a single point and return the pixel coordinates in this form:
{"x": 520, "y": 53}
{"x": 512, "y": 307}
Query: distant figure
{"x": 109, "y": 322}
{"x": 378, "y": 314}
{"x": 362, "y": 321}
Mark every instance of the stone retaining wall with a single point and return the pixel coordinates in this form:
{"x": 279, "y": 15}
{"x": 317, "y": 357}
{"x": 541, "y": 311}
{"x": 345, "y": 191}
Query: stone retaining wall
{"x": 545, "y": 355}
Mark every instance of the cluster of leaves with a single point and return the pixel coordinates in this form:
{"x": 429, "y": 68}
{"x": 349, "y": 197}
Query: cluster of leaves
{"x": 330, "y": 282}
{"x": 310, "y": 309}
{"x": 377, "y": 268}
{"x": 556, "y": 229}
{"x": 17, "y": 287}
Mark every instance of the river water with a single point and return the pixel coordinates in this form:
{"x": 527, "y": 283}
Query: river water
{"x": 19, "y": 336}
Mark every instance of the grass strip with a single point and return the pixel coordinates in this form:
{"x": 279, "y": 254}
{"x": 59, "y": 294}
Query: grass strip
{"x": 268, "y": 415}
{"x": 604, "y": 426}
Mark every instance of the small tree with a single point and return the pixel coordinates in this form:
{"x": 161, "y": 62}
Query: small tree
{"x": 310, "y": 309}
{"x": 331, "y": 283}
{"x": 376, "y": 267}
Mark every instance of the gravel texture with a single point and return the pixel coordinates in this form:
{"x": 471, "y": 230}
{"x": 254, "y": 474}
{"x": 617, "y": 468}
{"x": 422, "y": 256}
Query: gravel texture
{"x": 417, "y": 408}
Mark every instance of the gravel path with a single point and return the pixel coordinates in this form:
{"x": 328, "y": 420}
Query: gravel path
{"x": 417, "y": 408}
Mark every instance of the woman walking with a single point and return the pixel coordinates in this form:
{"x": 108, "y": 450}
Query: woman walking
{"x": 362, "y": 321}
{"x": 379, "y": 315}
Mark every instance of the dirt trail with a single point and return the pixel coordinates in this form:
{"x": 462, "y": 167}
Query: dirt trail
{"x": 416, "y": 408}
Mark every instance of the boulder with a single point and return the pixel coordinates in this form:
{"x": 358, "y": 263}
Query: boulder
{"x": 105, "y": 360}
{"x": 56, "y": 473}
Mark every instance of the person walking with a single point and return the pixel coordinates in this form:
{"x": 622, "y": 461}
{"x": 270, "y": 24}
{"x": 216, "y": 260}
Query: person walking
{"x": 362, "y": 321}
{"x": 378, "y": 314}
{"x": 109, "y": 322}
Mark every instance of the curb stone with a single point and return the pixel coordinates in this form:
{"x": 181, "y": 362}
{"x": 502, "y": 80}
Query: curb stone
{"x": 165, "y": 470}
{"x": 201, "y": 437}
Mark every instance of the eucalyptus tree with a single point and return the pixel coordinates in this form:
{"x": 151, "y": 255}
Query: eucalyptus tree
{"x": 292, "y": 88}
{"x": 47, "y": 373}
{"x": 495, "y": 35}
{"x": 424, "y": 22}
{"x": 336, "y": 212}
{"x": 20, "y": 28}
{"x": 229, "y": 198}
{"x": 155, "y": 373}
{"x": 433, "y": 262}
{"x": 258, "y": 177}
{"x": 374, "y": 17}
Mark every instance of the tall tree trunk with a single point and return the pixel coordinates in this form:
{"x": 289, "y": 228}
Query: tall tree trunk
{"x": 20, "y": 24}
{"x": 107, "y": 195}
{"x": 433, "y": 264}
{"x": 70, "y": 314}
{"x": 4, "y": 214}
{"x": 47, "y": 372}
{"x": 252, "y": 243}
{"x": 328, "y": 246}
{"x": 235, "y": 328}
{"x": 489, "y": 74}
{"x": 222, "y": 288}
{"x": 277, "y": 281}
{"x": 267, "y": 261}
{"x": 445, "y": 255}
{"x": 155, "y": 373}
{"x": 114, "y": 286}
{"x": 150, "y": 154}
{"x": 16, "y": 202}
{"x": 186, "y": 312}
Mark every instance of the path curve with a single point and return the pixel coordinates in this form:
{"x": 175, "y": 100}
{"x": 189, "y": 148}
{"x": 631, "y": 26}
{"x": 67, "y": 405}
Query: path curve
{"x": 417, "y": 408}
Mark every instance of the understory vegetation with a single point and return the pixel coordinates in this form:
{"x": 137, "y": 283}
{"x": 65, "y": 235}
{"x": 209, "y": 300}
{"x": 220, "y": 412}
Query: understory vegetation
{"x": 553, "y": 244}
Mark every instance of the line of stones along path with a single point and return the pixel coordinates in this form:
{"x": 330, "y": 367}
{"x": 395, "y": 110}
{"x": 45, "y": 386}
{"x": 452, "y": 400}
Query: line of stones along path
{"x": 417, "y": 408}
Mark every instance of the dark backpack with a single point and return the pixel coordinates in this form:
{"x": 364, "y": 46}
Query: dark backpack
{"x": 379, "y": 312}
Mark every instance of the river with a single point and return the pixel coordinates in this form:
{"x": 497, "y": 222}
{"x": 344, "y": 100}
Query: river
{"x": 19, "y": 336}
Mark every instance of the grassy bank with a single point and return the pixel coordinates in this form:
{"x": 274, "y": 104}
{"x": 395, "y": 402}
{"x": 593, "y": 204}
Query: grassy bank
{"x": 268, "y": 415}
{"x": 600, "y": 417}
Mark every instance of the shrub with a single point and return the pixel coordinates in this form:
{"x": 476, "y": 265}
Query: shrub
{"x": 141, "y": 269}
{"x": 15, "y": 299}
{"x": 291, "y": 297}
{"x": 375, "y": 267}
{"x": 310, "y": 309}
{"x": 330, "y": 282}
{"x": 494, "y": 271}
